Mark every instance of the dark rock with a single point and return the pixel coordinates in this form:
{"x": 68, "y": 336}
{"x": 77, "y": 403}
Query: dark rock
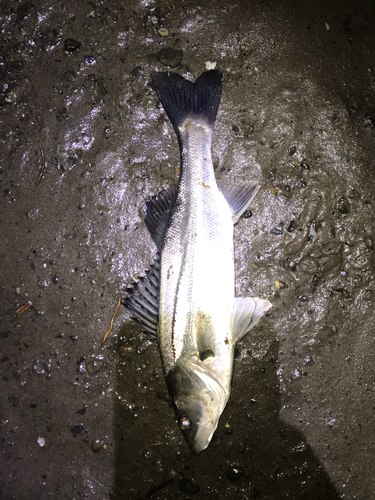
{"x": 304, "y": 165}
{"x": 234, "y": 473}
{"x": 170, "y": 57}
{"x": 292, "y": 150}
{"x": 77, "y": 429}
{"x": 188, "y": 486}
{"x": 70, "y": 45}
{"x": 247, "y": 214}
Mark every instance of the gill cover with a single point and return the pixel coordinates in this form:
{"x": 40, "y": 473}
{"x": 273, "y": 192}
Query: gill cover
{"x": 198, "y": 399}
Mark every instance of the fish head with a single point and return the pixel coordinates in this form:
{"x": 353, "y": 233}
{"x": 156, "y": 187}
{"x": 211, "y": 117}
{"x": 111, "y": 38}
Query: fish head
{"x": 198, "y": 399}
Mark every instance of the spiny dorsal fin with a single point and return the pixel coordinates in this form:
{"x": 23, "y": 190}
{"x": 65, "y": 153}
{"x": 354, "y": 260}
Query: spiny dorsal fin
{"x": 158, "y": 213}
{"x": 246, "y": 313}
{"x": 239, "y": 197}
{"x": 143, "y": 300}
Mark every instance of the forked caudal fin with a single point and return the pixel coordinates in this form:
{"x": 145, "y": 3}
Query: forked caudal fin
{"x": 182, "y": 99}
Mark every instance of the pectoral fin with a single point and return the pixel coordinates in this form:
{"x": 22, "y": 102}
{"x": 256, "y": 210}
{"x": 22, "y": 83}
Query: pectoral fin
{"x": 246, "y": 313}
{"x": 239, "y": 197}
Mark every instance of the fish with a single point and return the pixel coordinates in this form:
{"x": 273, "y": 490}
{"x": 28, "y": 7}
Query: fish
{"x": 186, "y": 300}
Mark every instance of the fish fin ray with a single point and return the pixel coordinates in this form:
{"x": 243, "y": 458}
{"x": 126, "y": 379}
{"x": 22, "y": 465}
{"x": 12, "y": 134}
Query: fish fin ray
{"x": 246, "y": 313}
{"x": 143, "y": 300}
{"x": 181, "y": 98}
{"x": 158, "y": 214}
{"x": 239, "y": 197}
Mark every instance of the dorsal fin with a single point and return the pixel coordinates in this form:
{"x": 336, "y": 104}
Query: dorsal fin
{"x": 143, "y": 300}
{"x": 158, "y": 213}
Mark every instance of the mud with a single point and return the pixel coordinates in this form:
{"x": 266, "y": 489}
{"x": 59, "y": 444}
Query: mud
{"x": 84, "y": 143}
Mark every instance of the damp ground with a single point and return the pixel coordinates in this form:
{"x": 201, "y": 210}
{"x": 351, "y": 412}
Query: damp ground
{"x": 84, "y": 143}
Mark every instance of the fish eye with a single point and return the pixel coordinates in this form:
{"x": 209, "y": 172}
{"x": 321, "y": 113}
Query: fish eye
{"x": 185, "y": 423}
{"x": 207, "y": 353}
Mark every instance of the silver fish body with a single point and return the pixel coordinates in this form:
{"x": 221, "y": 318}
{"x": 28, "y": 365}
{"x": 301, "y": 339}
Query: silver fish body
{"x": 198, "y": 318}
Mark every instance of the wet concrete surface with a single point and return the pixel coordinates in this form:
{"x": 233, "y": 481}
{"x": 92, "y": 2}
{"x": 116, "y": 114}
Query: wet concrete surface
{"x": 84, "y": 143}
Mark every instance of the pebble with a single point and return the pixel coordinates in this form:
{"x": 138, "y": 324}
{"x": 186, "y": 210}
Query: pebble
{"x": 96, "y": 445}
{"x": 93, "y": 366}
{"x": 170, "y": 57}
{"x": 234, "y": 473}
{"x": 247, "y": 214}
{"x": 163, "y": 32}
{"x": 276, "y": 230}
{"x": 188, "y": 486}
{"x": 70, "y": 45}
{"x": 90, "y": 60}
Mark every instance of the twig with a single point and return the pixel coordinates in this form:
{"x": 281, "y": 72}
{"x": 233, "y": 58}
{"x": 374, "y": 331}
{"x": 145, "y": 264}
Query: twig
{"x": 112, "y": 320}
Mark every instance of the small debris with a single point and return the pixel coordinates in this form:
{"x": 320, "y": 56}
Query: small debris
{"x": 234, "y": 473}
{"x": 23, "y": 308}
{"x": 163, "y": 32}
{"x": 43, "y": 164}
{"x": 276, "y": 230}
{"x": 90, "y": 60}
{"x": 327, "y": 26}
{"x": 292, "y": 150}
{"x": 280, "y": 284}
{"x": 71, "y": 45}
{"x": 210, "y": 65}
{"x": 273, "y": 191}
{"x": 112, "y": 320}
{"x": 41, "y": 441}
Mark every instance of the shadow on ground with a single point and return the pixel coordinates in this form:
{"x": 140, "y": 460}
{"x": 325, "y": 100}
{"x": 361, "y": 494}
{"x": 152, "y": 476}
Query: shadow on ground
{"x": 253, "y": 455}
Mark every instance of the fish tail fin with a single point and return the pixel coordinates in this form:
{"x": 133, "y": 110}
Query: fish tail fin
{"x": 182, "y": 99}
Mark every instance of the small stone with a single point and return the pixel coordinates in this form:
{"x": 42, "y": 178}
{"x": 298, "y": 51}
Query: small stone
{"x": 96, "y": 445}
{"x": 71, "y": 45}
{"x": 163, "y": 32}
{"x": 304, "y": 165}
{"x": 77, "y": 429}
{"x": 90, "y": 60}
{"x": 247, "y": 214}
{"x": 210, "y": 65}
{"x": 292, "y": 150}
{"x": 276, "y": 230}
{"x": 188, "y": 486}
{"x": 234, "y": 473}
{"x": 170, "y": 57}
{"x": 93, "y": 366}
{"x": 41, "y": 441}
